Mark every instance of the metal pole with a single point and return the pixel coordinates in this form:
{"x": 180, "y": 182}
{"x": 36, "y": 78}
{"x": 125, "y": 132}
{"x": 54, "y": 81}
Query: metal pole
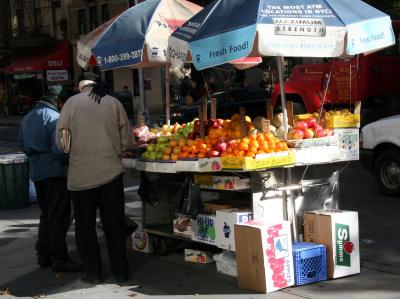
{"x": 167, "y": 95}
{"x": 279, "y": 60}
{"x": 143, "y": 108}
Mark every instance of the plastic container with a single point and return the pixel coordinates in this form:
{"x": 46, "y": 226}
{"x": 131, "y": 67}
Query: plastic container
{"x": 310, "y": 263}
{"x": 226, "y": 263}
{"x": 14, "y": 181}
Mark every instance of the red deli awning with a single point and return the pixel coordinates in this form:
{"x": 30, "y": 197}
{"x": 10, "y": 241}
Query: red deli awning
{"x": 55, "y": 59}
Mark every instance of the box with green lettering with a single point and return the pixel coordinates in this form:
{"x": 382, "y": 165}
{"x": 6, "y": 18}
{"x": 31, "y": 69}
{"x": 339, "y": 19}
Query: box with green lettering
{"x": 338, "y": 231}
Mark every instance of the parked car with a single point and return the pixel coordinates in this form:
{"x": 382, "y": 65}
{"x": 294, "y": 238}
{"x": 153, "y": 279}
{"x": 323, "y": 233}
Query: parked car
{"x": 380, "y": 153}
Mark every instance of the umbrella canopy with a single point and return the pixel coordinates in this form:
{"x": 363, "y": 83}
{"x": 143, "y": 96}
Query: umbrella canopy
{"x": 138, "y": 37}
{"x": 292, "y": 28}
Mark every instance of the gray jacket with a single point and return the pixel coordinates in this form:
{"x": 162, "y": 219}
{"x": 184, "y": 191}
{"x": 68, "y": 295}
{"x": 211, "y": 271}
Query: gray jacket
{"x": 99, "y": 135}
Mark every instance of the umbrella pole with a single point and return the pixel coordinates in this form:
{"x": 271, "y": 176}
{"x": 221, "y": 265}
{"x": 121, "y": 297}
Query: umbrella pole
{"x": 279, "y": 61}
{"x": 143, "y": 108}
{"x": 288, "y": 178}
{"x": 167, "y": 95}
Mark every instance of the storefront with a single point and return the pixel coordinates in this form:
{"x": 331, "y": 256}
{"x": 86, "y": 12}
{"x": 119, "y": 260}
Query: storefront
{"x": 29, "y": 77}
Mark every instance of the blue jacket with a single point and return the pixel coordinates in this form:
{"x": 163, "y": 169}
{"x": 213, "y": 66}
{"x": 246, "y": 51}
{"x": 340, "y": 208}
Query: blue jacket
{"x": 37, "y": 140}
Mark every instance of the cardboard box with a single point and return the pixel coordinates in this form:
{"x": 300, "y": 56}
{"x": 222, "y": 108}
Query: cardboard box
{"x": 338, "y": 231}
{"x": 182, "y": 225}
{"x": 203, "y": 229}
{"x": 262, "y": 161}
{"x": 141, "y": 241}
{"x": 226, "y": 263}
{"x": 145, "y": 165}
{"x": 264, "y": 256}
{"x": 230, "y": 183}
{"x": 314, "y": 142}
{"x": 349, "y": 144}
{"x": 198, "y": 256}
{"x": 200, "y": 165}
{"x": 343, "y": 121}
{"x": 226, "y": 220}
{"x": 165, "y": 166}
{"x": 318, "y": 154}
{"x": 203, "y": 179}
{"x": 211, "y": 207}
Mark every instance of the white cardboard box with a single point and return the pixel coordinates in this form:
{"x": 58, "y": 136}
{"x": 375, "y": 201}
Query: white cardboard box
{"x": 182, "y": 225}
{"x": 349, "y": 144}
{"x": 203, "y": 229}
{"x": 226, "y": 220}
{"x": 141, "y": 241}
{"x": 165, "y": 167}
{"x": 264, "y": 255}
{"x": 317, "y": 154}
{"x": 230, "y": 183}
{"x": 200, "y": 165}
{"x": 338, "y": 231}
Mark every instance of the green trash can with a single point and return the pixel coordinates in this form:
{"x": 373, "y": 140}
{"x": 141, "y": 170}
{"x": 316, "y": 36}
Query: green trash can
{"x": 14, "y": 181}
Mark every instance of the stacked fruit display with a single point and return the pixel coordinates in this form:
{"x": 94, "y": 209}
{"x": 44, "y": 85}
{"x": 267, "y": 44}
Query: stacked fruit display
{"x": 223, "y": 139}
{"x": 308, "y": 128}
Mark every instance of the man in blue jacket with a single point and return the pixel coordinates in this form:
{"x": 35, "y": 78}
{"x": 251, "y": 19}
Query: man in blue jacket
{"x": 48, "y": 171}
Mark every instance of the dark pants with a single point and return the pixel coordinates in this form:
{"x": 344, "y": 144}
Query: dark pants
{"x": 109, "y": 198}
{"x": 55, "y": 206}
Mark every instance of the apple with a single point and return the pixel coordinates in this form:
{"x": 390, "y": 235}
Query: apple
{"x": 151, "y": 147}
{"x": 308, "y": 133}
{"x": 211, "y": 154}
{"x": 221, "y": 146}
{"x": 301, "y": 125}
{"x": 320, "y": 133}
{"x": 317, "y": 128}
{"x": 220, "y": 121}
{"x": 311, "y": 122}
{"x": 296, "y": 134}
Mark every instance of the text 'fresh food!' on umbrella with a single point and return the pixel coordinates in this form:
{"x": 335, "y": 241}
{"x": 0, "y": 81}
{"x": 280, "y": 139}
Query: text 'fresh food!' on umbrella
{"x": 372, "y": 37}
{"x": 232, "y": 49}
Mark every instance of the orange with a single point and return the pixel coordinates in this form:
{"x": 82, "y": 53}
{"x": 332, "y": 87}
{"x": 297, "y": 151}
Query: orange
{"x": 190, "y": 142}
{"x": 182, "y": 142}
{"x": 174, "y": 157}
{"x": 241, "y": 154}
{"x": 245, "y": 140}
{"x": 185, "y": 148}
{"x": 254, "y": 143}
{"x": 166, "y": 157}
{"x": 168, "y": 150}
{"x": 201, "y": 155}
{"x": 173, "y": 143}
{"x": 229, "y": 150}
{"x": 202, "y": 146}
{"x": 235, "y": 116}
{"x": 243, "y": 146}
{"x": 177, "y": 150}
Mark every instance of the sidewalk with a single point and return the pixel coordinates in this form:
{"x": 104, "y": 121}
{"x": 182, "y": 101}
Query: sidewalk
{"x": 154, "y": 276}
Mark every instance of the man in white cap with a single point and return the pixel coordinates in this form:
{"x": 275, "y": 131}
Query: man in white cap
{"x": 100, "y": 132}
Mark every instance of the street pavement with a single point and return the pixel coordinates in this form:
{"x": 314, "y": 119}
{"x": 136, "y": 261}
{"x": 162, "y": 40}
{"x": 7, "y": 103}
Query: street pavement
{"x": 170, "y": 276}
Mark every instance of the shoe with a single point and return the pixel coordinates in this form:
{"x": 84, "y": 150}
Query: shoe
{"x": 66, "y": 266}
{"x": 91, "y": 280}
{"x": 122, "y": 279}
{"x": 44, "y": 262}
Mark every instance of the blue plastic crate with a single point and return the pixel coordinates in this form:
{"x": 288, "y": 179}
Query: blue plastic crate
{"x": 309, "y": 262}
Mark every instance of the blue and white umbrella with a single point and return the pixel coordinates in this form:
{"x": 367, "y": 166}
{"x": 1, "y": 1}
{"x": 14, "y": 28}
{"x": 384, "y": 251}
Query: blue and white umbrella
{"x": 137, "y": 38}
{"x": 232, "y": 29}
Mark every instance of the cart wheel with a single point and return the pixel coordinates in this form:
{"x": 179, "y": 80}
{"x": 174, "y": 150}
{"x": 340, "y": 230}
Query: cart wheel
{"x": 160, "y": 246}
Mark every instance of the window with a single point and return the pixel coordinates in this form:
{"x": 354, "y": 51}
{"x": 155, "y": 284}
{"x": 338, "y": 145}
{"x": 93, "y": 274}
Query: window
{"x": 82, "y": 24}
{"x": 93, "y": 17}
{"x": 105, "y": 14}
{"x": 56, "y": 9}
{"x": 19, "y": 13}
